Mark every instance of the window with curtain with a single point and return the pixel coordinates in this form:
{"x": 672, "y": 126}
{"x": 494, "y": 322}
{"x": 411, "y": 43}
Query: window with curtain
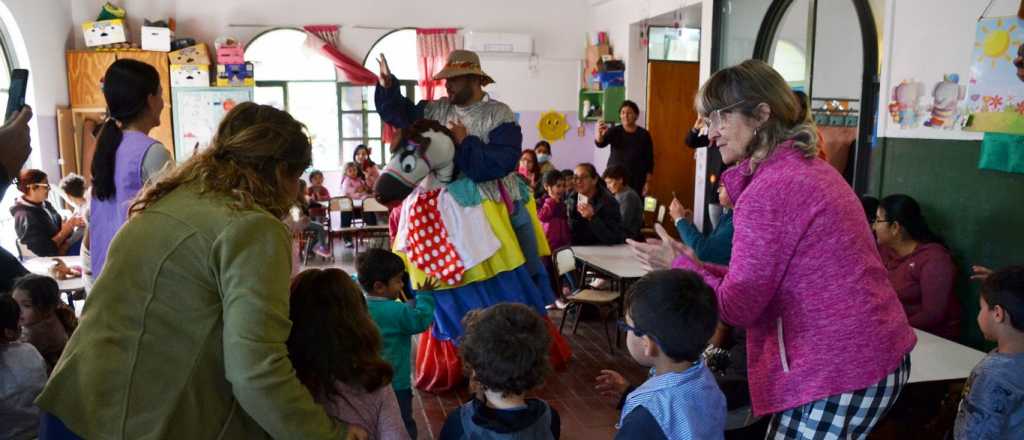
{"x": 339, "y": 115}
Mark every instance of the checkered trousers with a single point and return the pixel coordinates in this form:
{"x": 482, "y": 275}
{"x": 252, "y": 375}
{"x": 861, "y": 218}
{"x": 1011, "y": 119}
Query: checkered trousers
{"x": 843, "y": 416}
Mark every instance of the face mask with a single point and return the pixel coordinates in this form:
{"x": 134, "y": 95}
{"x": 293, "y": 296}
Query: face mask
{"x": 524, "y": 170}
{"x": 541, "y": 158}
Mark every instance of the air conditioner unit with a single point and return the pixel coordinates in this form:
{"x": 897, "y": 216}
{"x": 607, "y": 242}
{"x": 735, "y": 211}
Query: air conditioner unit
{"x": 499, "y": 43}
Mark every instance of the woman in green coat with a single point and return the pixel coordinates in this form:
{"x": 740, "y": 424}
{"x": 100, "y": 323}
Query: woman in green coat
{"x": 183, "y": 335}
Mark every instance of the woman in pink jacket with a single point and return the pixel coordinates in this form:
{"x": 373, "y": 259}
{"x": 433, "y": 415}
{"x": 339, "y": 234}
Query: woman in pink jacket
{"x": 828, "y": 344}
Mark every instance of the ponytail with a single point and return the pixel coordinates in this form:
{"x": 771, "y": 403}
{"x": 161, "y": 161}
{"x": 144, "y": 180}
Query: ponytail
{"x": 67, "y": 318}
{"x": 127, "y": 86}
{"x": 103, "y": 186}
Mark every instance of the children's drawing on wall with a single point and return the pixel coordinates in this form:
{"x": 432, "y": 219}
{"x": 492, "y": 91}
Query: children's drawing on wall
{"x": 946, "y": 109}
{"x": 906, "y": 107}
{"x": 552, "y": 126}
{"x": 995, "y": 90}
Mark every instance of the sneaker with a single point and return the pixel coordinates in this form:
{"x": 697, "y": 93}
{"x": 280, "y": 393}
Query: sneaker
{"x": 561, "y": 304}
{"x": 348, "y": 244}
{"x": 322, "y": 251}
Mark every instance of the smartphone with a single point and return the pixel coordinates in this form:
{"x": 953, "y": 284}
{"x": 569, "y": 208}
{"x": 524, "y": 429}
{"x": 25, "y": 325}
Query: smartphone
{"x": 581, "y": 199}
{"x": 16, "y": 94}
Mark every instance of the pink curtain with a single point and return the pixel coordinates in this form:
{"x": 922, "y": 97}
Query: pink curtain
{"x": 324, "y": 40}
{"x": 432, "y": 49}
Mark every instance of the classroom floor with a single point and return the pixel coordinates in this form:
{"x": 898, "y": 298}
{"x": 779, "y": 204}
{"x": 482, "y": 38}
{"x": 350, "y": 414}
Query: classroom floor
{"x": 585, "y": 414}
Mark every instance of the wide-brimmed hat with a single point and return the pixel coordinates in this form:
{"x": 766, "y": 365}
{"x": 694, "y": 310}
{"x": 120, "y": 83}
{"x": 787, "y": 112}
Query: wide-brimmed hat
{"x": 463, "y": 62}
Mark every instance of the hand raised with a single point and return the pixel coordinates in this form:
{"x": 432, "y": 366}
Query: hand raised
{"x": 385, "y": 71}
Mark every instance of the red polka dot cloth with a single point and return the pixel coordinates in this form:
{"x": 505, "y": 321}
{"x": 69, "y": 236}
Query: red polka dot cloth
{"x": 429, "y": 248}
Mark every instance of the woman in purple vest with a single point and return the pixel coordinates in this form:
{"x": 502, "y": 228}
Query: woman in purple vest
{"x": 126, "y": 157}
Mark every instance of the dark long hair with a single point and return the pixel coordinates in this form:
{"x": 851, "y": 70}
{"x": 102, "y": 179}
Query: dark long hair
{"x": 127, "y": 85}
{"x": 333, "y": 338}
{"x": 45, "y": 295}
{"x": 369, "y": 160}
{"x": 903, "y": 209}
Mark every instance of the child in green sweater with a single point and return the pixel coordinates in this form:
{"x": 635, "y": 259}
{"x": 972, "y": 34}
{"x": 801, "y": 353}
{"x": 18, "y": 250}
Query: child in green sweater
{"x": 381, "y": 274}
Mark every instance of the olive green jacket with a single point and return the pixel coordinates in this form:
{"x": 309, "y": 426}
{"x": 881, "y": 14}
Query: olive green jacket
{"x": 183, "y": 335}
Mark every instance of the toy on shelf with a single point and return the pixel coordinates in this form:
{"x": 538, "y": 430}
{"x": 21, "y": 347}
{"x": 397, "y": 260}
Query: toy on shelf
{"x": 111, "y": 12}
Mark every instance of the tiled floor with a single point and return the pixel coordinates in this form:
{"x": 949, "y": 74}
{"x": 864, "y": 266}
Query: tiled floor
{"x": 585, "y": 414}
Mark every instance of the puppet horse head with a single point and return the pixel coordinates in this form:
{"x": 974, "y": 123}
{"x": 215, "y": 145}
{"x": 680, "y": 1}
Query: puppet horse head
{"x": 424, "y": 155}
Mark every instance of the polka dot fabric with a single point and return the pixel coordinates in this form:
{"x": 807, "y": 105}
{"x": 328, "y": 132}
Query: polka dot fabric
{"x": 429, "y": 248}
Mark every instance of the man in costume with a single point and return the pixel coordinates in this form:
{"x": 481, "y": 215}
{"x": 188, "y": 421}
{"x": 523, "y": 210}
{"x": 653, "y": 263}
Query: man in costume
{"x": 488, "y": 143}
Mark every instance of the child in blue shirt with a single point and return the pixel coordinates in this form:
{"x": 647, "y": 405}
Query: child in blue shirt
{"x": 381, "y": 274}
{"x": 670, "y": 315}
{"x": 716, "y": 247}
{"x": 993, "y": 402}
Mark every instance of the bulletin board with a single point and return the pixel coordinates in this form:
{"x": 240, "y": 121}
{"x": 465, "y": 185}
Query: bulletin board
{"x": 197, "y": 114}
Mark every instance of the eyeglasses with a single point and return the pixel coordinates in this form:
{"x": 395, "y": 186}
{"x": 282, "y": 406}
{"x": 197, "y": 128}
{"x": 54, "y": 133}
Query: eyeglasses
{"x": 40, "y": 185}
{"x": 715, "y": 118}
{"x": 878, "y": 220}
{"x": 639, "y": 333}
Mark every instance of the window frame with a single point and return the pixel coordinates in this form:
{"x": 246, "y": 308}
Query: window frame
{"x": 380, "y": 156}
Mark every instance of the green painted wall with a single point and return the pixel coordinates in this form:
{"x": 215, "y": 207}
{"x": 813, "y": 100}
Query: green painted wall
{"x": 980, "y": 213}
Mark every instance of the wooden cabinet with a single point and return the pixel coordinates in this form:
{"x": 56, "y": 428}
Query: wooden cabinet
{"x": 86, "y": 69}
{"x": 85, "y": 77}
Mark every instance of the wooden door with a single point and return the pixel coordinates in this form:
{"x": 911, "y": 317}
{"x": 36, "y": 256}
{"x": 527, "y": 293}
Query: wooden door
{"x": 163, "y": 132}
{"x": 671, "y": 87}
{"x": 85, "y": 76}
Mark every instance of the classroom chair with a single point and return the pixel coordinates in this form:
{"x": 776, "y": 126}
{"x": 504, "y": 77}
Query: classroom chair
{"x": 606, "y": 301}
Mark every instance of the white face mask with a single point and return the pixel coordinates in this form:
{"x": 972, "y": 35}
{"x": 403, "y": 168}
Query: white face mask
{"x": 541, "y": 158}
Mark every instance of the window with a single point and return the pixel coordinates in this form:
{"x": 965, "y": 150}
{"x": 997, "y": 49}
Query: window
{"x": 673, "y": 44}
{"x": 339, "y": 115}
{"x": 789, "y": 60}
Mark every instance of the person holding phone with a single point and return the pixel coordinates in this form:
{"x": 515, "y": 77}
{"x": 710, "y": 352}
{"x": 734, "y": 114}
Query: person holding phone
{"x": 15, "y": 146}
{"x": 594, "y": 217}
{"x": 631, "y": 145}
{"x": 40, "y": 228}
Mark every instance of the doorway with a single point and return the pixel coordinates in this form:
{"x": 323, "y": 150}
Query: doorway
{"x": 671, "y": 87}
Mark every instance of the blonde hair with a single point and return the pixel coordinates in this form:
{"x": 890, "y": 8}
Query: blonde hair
{"x": 253, "y": 146}
{"x": 755, "y": 82}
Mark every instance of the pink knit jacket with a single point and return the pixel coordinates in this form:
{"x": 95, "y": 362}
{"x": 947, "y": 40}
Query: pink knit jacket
{"x": 807, "y": 283}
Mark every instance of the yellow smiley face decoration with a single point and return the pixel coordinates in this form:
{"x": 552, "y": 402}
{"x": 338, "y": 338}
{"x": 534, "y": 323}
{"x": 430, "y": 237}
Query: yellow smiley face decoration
{"x": 552, "y": 126}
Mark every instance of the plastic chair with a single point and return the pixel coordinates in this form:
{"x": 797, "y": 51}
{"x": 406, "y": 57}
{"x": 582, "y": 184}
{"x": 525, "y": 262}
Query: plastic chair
{"x": 606, "y": 301}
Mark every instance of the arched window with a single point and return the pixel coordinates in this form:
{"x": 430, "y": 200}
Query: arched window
{"x": 338, "y": 114}
{"x": 791, "y": 62}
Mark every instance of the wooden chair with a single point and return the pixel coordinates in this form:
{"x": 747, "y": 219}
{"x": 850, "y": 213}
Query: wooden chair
{"x": 606, "y": 301}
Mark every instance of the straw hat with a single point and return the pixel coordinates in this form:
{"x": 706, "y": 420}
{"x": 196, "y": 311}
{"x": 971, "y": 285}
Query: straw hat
{"x": 463, "y": 62}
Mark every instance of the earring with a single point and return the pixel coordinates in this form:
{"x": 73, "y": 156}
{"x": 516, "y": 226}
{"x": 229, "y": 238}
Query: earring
{"x": 755, "y": 132}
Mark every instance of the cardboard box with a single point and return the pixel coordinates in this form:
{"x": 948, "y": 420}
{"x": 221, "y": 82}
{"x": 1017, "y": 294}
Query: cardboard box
{"x": 197, "y": 54}
{"x": 231, "y": 55}
{"x": 190, "y": 75}
{"x": 100, "y": 33}
{"x": 235, "y": 75}
{"x": 157, "y": 38}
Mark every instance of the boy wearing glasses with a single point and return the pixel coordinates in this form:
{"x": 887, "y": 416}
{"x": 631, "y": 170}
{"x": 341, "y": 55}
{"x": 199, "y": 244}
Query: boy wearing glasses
{"x": 670, "y": 315}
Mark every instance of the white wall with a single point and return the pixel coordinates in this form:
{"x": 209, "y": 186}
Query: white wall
{"x": 557, "y": 27}
{"x": 838, "y": 53}
{"x": 924, "y": 47}
{"x": 40, "y": 34}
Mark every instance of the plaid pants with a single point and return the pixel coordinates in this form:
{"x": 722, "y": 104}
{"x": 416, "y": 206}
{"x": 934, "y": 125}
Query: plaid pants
{"x": 843, "y": 416}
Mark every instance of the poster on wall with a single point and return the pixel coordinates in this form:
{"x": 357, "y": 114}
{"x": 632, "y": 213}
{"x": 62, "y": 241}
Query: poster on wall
{"x": 995, "y": 91}
{"x": 197, "y": 114}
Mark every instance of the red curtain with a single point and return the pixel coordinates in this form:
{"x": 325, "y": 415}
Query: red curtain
{"x": 432, "y": 49}
{"x": 324, "y": 40}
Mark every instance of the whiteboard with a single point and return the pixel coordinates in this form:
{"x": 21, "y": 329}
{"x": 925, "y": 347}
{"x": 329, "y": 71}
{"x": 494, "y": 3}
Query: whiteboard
{"x": 197, "y": 114}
